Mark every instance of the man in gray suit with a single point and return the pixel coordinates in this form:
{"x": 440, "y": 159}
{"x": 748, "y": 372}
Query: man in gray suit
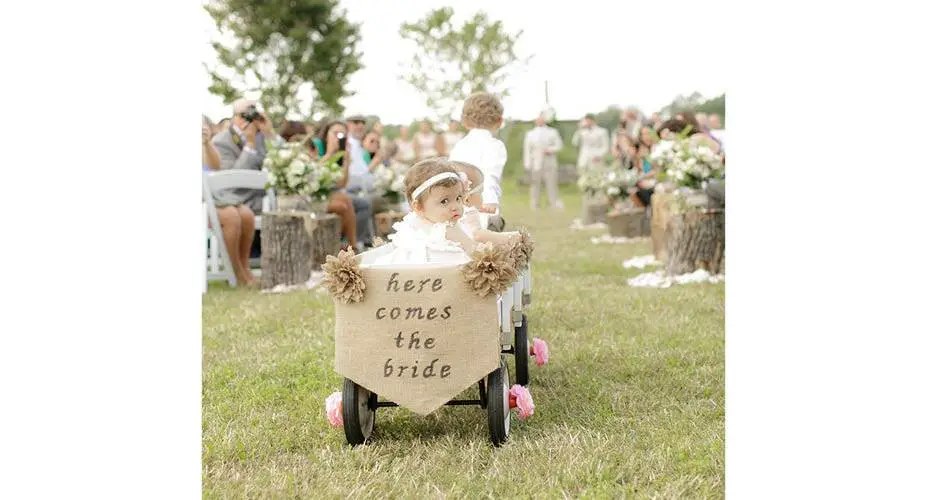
{"x": 241, "y": 147}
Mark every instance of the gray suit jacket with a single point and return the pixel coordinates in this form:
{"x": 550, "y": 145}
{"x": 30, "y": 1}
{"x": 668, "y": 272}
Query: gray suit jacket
{"x": 232, "y": 156}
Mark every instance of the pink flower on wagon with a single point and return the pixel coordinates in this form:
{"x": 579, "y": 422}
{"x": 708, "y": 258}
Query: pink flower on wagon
{"x": 540, "y": 352}
{"x": 333, "y": 409}
{"x": 520, "y": 399}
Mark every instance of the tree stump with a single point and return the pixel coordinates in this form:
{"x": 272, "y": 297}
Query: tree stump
{"x": 385, "y": 221}
{"x": 628, "y": 222}
{"x": 659, "y": 219}
{"x": 326, "y": 240}
{"x": 696, "y": 241}
{"x": 594, "y": 209}
{"x": 286, "y": 248}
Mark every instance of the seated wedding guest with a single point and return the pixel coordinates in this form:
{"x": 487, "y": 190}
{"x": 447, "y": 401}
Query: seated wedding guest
{"x": 405, "y": 151}
{"x": 689, "y": 125}
{"x": 335, "y": 135}
{"x": 316, "y": 138}
{"x": 210, "y": 155}
{"x": 241, "y": 147}
{"x": 702, "y": 120}
{"x": 646, "y": 137}
{"x": 339, "y": 202}
{"x": 633, "y": 122}
{"x": 623, "y": 150}
{"x": 373, "y": 150}
{"x": 361, "y": 179}
{"x": 645, "y": 185}
{"x": 376, "y": 155}
{"x": 655, "y": 121}
{"x": 425, "y": 142}
{"x": 296, "y": 131}
{"x": 447, "y": 140}
{"x": 715, "y": 128}
{"x": 389, "y": 152}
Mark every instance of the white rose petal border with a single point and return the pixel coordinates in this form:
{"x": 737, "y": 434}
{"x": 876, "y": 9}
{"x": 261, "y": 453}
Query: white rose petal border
{"x": 659, "y": 279}
{"x": 619, "y": 240}
{"x": 315, "y": 277}
{"x": 641, "y": 261}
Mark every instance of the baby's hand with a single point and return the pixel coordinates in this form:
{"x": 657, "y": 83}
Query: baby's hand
{"x": 455, "y": 234}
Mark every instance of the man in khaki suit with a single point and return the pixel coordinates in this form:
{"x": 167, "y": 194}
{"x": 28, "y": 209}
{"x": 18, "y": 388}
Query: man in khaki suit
{"x": 540, "y": 156}
{"x": 592, "y": 141}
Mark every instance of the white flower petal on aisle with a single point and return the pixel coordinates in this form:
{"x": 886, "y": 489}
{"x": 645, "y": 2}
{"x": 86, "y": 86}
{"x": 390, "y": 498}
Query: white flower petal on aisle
{"x": 659, "y": 279}
{"x": 641, "y": 261}
{"x": 315, "y": 277}
{"x": 577, "y": 224}
{"x": 607, "y": 238}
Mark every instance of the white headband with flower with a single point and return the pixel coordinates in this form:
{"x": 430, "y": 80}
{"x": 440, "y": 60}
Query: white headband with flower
{"x": 434, "y": 180}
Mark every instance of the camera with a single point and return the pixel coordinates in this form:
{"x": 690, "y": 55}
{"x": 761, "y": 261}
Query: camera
{"x": 342, "y": 141}
{"x": 251, "y": 114}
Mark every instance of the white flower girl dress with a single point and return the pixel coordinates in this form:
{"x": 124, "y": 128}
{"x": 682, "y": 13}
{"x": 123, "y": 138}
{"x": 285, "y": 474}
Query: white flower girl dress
{"x": 420, "y": 241}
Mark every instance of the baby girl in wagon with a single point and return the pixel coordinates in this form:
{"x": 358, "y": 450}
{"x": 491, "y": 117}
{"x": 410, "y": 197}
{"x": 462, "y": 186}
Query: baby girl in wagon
{"x": 435, "y": 190}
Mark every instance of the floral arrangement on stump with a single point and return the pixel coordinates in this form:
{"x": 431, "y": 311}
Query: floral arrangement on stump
{"x": 389, "y": 181}
{"x": 614, "y": 181}
{"x": 686, "y": 164}
{"x": 293, "y": 172}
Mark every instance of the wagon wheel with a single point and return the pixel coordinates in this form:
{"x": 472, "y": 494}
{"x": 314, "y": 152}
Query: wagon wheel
{"x": 522, "y": 355}
{"x": 497, "y": 405}
{"x": 359, "y": 409}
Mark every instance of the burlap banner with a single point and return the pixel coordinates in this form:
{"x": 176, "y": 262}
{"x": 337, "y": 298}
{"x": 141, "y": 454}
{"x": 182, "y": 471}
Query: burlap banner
{"x": 419, "y": 337}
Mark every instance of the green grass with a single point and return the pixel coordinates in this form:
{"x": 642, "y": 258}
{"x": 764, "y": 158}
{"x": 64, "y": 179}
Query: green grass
{"x": 632, "y": 404}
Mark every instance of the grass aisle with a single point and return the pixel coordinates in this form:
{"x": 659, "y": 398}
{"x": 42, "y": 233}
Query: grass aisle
{"x": 632, "y": 403}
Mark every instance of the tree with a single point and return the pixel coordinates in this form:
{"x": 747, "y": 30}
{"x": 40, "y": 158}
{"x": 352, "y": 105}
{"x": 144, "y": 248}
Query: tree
{"x": 682, "y": 103}
{"x": 281, "y": 45}
{"x": 451, "y": 62}
{"x": 713, "y": 106}
{"x": 697, "y": 104}
{"x": 610, "y": 118}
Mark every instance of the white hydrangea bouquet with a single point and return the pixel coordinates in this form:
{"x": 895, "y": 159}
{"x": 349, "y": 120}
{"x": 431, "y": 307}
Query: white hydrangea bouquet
{"x": 685, "y": 164}
{"x": 390, "y": 180}
{"x": 293, "y": 172}
{"x": 613, "y": 181}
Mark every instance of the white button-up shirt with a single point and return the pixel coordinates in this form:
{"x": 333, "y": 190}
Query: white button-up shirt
{"x": 359, "y": 176}
{"x": 480, "y": 149}
{"x": 537, "y": 142}
{"x": 592, "y": 143}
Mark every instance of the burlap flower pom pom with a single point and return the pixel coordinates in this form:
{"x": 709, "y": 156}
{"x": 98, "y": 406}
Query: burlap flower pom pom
{"x": 490, "y": 270}
{"x": 342, "y": 277}
{"x": 521, "y": 250}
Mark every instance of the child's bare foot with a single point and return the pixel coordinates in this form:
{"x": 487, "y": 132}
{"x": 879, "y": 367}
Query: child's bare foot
{"x": 245, "y": 278}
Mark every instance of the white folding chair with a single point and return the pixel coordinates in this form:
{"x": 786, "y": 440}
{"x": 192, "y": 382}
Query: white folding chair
{"x": 218, "y": 266}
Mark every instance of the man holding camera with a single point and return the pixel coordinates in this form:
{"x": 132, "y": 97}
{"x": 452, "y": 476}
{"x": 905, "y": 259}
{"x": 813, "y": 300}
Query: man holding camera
{"x": 241, "y": 147}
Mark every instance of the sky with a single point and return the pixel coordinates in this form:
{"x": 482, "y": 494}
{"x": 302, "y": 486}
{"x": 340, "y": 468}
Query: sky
{"x": 592, "y": 53}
